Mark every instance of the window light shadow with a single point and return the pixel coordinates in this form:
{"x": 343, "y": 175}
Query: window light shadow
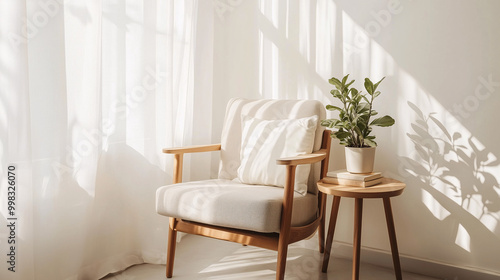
{"x": 309, "y": 52}
{"x": 255, "y": 263}
{"x": 457, "y": 183}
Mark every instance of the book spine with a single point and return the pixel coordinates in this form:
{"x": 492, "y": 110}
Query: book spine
{"x": 338, "y": 181}
{"x": 358, "y": 177}
{"x": 354, "y": 183}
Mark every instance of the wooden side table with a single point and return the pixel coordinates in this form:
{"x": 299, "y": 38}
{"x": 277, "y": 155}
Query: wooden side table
{"x": 385, "y": 190}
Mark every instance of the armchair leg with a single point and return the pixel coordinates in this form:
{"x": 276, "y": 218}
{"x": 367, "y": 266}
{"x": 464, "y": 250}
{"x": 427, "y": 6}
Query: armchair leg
{"x": 321, "y": 228}
{"x": 282, "y": 253}
{"x": 172, "y": 238}
{"x": 286, "y": 219}
{"x": 321, "y": 236}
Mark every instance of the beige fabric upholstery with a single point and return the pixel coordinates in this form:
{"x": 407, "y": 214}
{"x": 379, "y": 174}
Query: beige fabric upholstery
{"x": 265, "y": 141}
{"x": 268, "y": 110}
{"x": 230, "y": 204}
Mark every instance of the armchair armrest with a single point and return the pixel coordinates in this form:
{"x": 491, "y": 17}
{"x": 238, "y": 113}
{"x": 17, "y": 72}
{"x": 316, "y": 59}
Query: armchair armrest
{"x": 193, "y": 149}
{"x": 303, "y": 159}
{"x": 179, "y": 154}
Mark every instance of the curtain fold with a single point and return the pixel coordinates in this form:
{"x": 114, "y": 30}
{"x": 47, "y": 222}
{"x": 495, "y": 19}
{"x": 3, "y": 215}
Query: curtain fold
{"x": 91, "y": 91}
{"x": 15, "y": 147}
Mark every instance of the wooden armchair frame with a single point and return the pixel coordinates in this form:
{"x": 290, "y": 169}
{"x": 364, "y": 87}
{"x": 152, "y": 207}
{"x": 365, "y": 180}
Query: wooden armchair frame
{"x": 273, "y": 241}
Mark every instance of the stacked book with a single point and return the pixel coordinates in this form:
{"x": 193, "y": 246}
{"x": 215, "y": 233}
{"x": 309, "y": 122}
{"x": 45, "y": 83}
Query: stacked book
{"x": 343, "y": 177}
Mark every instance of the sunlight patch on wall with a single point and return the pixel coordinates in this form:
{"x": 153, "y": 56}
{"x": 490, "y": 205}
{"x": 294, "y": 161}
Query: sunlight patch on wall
{"x": 382, "y": 64}
{"x": 325, "y": 38}
{"x": 270, "y": 10}
{"x": 318, "y": 94}
{"x": 287, "y": 19}
{"x": 292, "y": 64}
{"x": 434, "y": 206}
{"x": 463, "y": 238}
{"x": 302, "y": 87}
{"x": 490, "y": 221}
{"x": 275, "y": 71}
{"x": 412, "y": 91}
{"x": 305, "y": 30}
{"x": 356, "y": 47}
{"x": 363, "y": 55}
{"x": 269, "y": 82}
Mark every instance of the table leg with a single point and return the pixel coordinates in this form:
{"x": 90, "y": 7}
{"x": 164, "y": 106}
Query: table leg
{"x": 358, "y": 214}
{"x": 392, "y": 237}
{"x": 331, "y": 231}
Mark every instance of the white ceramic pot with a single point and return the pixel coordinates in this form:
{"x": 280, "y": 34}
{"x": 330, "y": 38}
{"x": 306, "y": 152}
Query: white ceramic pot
{"x": 359, "y": 160}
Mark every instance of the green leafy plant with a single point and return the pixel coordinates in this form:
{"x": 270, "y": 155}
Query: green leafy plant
{"x": 353, "y": 124}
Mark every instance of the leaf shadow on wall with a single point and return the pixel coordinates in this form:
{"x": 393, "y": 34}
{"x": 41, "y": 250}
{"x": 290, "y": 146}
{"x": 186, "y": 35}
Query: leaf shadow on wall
{"x": 454, "y": 171}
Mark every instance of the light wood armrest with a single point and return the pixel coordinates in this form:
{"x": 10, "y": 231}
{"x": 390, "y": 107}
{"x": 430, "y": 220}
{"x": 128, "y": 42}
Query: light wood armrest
{"x": 179, "y": 154}
{"x": 193, "y": 149}
{"x": 303, "y": 159}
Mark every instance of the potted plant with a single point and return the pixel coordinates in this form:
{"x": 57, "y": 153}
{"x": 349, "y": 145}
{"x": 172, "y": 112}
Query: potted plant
{"x": 354, "y": 123}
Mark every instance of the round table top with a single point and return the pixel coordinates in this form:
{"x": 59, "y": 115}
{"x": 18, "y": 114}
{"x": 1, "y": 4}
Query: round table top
{"x": 387, "y": 188}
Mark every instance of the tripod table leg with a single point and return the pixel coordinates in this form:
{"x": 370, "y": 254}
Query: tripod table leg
{"x": 358, "y": 214}
{"x": 331, "y": 231}
{"x": 392, "y": 237}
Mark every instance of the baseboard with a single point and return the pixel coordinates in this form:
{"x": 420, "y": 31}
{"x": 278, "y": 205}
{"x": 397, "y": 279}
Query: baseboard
{"x": 415, "y": 265}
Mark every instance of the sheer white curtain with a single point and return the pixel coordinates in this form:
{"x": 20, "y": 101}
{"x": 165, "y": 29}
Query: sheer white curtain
{"x": 91, "y": 91}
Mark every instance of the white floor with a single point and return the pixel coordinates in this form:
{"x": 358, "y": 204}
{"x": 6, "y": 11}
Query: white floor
{"x": 206, "y": 258}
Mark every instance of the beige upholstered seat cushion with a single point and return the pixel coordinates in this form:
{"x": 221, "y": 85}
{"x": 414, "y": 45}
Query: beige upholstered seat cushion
{"x": 230, "y": 204}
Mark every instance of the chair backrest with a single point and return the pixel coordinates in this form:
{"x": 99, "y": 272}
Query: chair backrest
{"x": 268, "y": 110}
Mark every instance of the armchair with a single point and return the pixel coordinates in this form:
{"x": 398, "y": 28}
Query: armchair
{"x": 265, "y": 176}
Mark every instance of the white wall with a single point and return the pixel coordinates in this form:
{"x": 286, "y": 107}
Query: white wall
{"x": 438, "y": 57}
